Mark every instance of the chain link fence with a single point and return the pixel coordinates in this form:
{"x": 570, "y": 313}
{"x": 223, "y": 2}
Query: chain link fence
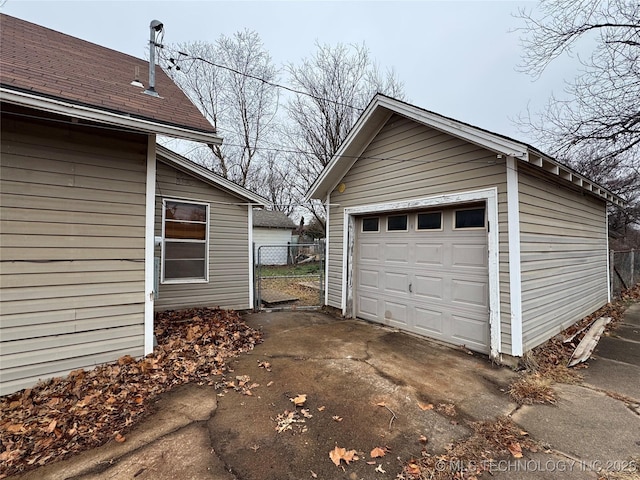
{"x": 625, "y": 270}
{"x": 289, "y": 276}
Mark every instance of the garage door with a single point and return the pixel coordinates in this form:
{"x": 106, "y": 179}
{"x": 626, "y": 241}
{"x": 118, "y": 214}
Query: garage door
{"x": 426, "y": 272}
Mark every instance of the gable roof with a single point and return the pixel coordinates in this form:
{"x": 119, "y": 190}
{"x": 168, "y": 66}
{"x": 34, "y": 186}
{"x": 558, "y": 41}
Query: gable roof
{"x": 382, "y": 107}
{"x": 48, "y": 70}
{"x": 179, "y": 162}
{"x": 269, "y": 219}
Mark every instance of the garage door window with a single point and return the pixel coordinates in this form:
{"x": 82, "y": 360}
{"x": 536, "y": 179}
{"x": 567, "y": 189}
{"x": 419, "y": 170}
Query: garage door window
{"x": 371, "y": 224}
{"x": 430, "y": 221}
{"x": 470, "y": 218}
{"x": 185, "y": 228}
{"x": 397, "y": 223}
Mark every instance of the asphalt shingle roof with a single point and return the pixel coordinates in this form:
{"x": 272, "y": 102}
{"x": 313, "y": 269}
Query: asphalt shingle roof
{"x": 47, "y": 63}
{"x": 268, "y": 219}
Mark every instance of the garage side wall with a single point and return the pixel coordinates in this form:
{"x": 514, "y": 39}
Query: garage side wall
{"x": 271, "y": 236}
{"x": 563, "y": 256}
{"x": 72, "y": 216}
{"x": 407, "y": 160}
{"x": 228, "y": 285}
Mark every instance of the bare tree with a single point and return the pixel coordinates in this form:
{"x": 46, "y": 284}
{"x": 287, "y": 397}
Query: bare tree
{"x": 239, "y": 105}
{"x": 595, "y": 125}
{"x": 338, "y": 82}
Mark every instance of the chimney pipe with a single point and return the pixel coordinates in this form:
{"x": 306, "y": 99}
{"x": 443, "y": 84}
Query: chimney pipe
{"x": 154, "y": 28}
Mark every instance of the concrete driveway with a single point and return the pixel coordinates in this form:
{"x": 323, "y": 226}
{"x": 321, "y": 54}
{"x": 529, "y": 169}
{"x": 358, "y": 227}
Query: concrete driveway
{"x": 366, "y": 386}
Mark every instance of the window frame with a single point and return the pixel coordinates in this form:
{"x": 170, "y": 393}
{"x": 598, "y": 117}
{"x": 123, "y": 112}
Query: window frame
{"x": 163, "y": 279}
{"x": 362, "y": 230}
{"x": 405, "y": 215}
{"x": 478, "y": 207}
{"x": 418, "y": 229}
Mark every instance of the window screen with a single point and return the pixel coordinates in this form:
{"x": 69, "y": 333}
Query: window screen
{"x": 472, "y": 218}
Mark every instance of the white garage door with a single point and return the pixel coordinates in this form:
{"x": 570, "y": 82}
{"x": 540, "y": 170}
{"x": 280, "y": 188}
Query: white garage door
{"x": 426, "y": 272}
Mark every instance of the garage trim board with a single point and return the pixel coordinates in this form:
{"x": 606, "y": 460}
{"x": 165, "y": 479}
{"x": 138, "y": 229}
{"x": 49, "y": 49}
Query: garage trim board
{"x": 489, "y": 196}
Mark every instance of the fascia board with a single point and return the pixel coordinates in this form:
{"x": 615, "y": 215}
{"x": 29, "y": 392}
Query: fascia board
{"x": 101, "y": 116}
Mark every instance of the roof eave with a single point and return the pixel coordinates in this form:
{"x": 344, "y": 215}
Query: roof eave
{"x": 102, "y": 116}
{"x": 178, "y": 161}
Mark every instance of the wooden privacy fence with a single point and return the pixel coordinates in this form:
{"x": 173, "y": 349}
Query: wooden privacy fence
{"x": 625, "y": 270}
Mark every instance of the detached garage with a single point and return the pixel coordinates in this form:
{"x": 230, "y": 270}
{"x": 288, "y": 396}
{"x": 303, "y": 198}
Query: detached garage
{"x": 446, "y": 230}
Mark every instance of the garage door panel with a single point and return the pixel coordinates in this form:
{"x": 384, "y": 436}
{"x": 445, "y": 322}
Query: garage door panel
{"x": 429, "y": 287}
{"x": 471, "y": 332}
{"x": 396, "y": 282}
{"x": 469, "y": 292}
{"x": 395, "y": 313}
{"x": 368, "y": 306}
{"x": 469, "y": 255}
{"x": 369, "y": 251}
{"x": 429, "y": 322}
{"x": 369, "y": 278}
{"x": 431, "y": 255}
{"x": 396, "y": 252}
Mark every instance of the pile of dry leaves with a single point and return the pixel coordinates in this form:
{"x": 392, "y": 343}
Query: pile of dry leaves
{"x": 88, "y": 408}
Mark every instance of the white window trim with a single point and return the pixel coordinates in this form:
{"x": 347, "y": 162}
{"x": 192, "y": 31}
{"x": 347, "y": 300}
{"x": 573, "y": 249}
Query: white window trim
{"x": 453, "y": 220}
{"x": 386, "y": 223}
{"x": 163, "y": 281}
{"x": 441, "y": 212}
{"x": 488, "y": 195}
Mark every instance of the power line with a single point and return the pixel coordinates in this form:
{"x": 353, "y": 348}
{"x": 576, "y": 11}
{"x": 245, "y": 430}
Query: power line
{"x": 174, "y": 63}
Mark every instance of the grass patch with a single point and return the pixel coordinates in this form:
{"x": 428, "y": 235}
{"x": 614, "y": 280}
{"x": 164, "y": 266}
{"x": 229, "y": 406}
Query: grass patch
{"x": 311, "y": 268}
{"x": 532, "y": 388}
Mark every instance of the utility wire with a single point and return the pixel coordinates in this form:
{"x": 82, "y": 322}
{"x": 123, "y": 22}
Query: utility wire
{"x": 174, "y": 64}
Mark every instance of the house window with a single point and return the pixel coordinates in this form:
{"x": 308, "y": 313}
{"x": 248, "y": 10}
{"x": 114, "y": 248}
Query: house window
{"x": 430, "y": 221}
{"x": 470, "y": 218}
{"x": 370, "y": 224}
{"x": 397, "y": 223}
{"x": 185, "y": 230}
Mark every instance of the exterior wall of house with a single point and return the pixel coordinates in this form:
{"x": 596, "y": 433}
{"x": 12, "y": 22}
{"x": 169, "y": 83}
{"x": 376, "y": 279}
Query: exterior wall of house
{"x": 271, "y": 236}
{"x": 425, "y": 163}
{"x": 228, "y": 285}
{"x": 72, "y": 216}
{"x": 563, "y": 239}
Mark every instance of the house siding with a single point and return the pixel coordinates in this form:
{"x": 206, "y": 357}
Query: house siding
{"x": 71, "y": 246}
{"x": 408, "y": 160}
{"x": 228, "y": 285}
{"x": 563, "y": 237}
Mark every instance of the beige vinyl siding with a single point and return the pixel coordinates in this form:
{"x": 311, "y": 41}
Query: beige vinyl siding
{"x": 72, "y": 248}
{"x": 408, "y": 160}
{"x": 228, "y": 285}
{"x": 563, "y": 254}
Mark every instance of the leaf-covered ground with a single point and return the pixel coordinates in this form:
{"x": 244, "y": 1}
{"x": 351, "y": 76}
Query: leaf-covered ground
{"x": 85, "y": 409}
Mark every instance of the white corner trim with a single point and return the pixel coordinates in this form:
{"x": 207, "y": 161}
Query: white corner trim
{"x": 326, "y": 250}
{"x": 606, "y": 219}
{"x": 489, "y": 195}
{"x": 515, "y": 275}
{"x": 251, "y": 260}
{"x": 149, "y": 245}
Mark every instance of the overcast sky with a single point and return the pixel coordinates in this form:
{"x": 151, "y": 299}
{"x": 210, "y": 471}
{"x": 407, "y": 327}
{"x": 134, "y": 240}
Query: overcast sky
{"x": 455, "y": 58}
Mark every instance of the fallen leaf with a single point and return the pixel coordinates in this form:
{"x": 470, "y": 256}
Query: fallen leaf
{"x": 423, "y": 439}
{"x": 299, "y": 400}
{"x": 378, "y": 452}
{"x": 515, "y": 450}
{"x": 373, "y": 462}
{"x": 270, "y": 383}
{"x": 321, "y": 409}
{"x": 305, "y": 413}
{"x": 380, "y": 469}
{"x": 337, "y": 418}
{"x": 15, "y": 428}
{"x": 313, "y": 474}
{"x": 338, "y": 454}
{"x": 381, "y": 404}
{"x": 425, "y": 406}
{"x": 120, "y": 438}
{"x": 413, "y": 469}
{"x": 52, "y": 426}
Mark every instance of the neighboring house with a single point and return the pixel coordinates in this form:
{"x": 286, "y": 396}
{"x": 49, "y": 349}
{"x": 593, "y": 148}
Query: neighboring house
{"x": 271, "y": 230}
{"x": 447, "y": 230}
{"x": 81, "y": 203}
